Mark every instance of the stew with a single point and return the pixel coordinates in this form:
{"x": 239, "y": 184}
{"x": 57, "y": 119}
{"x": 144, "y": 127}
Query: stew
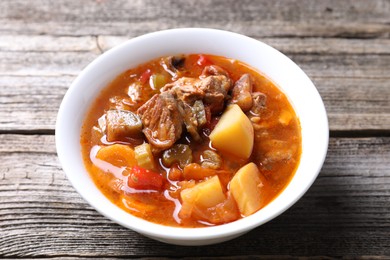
{"x": 191, "y": 140}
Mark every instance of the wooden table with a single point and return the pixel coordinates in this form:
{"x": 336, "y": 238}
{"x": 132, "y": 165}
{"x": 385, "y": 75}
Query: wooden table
{"x": 344, "y": 46}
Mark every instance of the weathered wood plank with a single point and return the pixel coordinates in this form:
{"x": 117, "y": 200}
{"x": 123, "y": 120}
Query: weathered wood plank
{"x": 329, "y": 18}
{"x": 71, "y": 63}
{"x": 353, "y": 84}
{"x": 44, "y": 63}
{"x": 295, "y": 45}
{"x": 32, "y": 102}
{"x": 327, "y": 46}
{"x": 347, "y": 208}
{"x": 42, "y": 43}
{"x": 356, "y": 103}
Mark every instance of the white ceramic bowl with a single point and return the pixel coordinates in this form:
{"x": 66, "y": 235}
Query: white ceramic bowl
{"x": 285, "y": 73}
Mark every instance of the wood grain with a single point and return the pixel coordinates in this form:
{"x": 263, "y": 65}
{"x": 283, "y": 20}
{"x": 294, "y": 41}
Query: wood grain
{"x": 353, "y": 84}
{"x": 331, "y": 18}
{"x": 342, "y": 45}
{"x": 347, "y": 208}
{"x": 292, "y": 45}
{"x": 32, "y": 102}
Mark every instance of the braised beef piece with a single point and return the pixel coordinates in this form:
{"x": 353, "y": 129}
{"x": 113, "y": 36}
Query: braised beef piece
{"x": 216, "y": 92}
{"x": 259, "y": 100}
{"x": 184, "y": 101}
{"x": 242, "y": 93}
{"x": 213, "y": 70}
{"x": 162, "y": 120}
{"x": 121, "y": 124}
{"x": 212, "y": 87}
{"x": 185, "y": 89}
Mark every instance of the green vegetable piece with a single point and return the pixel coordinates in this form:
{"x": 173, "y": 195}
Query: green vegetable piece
{"x": 157, "y": 81}
{"x": 211, "y": 160}
{"x": 122, "y": 123}
{"x": 179, "y": 153}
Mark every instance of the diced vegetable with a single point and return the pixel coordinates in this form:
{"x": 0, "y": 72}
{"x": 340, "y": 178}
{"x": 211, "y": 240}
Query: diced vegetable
{"x": 118, "y": 155}
{"x": 233, "y": 133}
{"x": 157, "y": 81}
{"x": 143, "y": 155}
{"x": 194, "y": 171}
{"x": 194, "y": 118}
{"x": 204, "y": 195}
{"x": 224, "y": 212}
{"x": 134, "y": 203}
{"x": 140, "y": 178}
{"x": 145, "y": 76}
{"x": 285, "y": 117}
{"x": 175, "y": 173}
{"x": 246, "y": 189}
{"x": 179, "y": 153}
{"x": 211, "y": 160}
{"x": 116, "y": 185}
{"x": 121, "y": 124}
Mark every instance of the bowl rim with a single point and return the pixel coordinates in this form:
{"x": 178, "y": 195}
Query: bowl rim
{"x": 181, "y": 233}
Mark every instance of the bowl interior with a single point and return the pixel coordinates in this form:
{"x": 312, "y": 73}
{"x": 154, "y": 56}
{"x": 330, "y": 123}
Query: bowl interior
{"x": 286, "y": 74}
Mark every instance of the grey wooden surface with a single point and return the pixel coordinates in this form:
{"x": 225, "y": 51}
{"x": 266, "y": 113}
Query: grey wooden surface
{"x": 344, "y": 46}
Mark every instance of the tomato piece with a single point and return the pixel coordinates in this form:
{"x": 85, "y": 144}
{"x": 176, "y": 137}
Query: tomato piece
{"x": 142, "y": 179}
{"x": 203, "y": 61}
{"x": 145, "y": 76}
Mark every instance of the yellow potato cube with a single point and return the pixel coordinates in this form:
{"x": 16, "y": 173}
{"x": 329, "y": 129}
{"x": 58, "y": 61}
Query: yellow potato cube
{"x": 245, "y": 188}
{"x": 233, "y": 133}
{"x": 285, "y": 117}
{"x": 205, "y": 194}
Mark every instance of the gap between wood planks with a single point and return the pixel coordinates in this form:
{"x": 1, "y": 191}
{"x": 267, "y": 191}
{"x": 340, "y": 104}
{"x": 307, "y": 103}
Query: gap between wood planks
{"x": 333, "y": 133}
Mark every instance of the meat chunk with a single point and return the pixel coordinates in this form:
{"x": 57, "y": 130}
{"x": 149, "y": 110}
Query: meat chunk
{"x": 121, "y": 124}
{"x": 185, "y": 89}
{"x": 213, "y": 70}
{"x": 162, "y": 120}
{"x": 259, "y": 100}
{"x": 184, "y": 101}
{"x": 216, "y": 91}
{"x": 242, "y": 93}
{"x": 212, "y": 88}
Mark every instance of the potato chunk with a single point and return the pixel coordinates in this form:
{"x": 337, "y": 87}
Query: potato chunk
{"x": 143, "y": 155}
{"x": 233, "y": 133}
{"x": 245, "y": 188}
{"x": 204, "y": 195}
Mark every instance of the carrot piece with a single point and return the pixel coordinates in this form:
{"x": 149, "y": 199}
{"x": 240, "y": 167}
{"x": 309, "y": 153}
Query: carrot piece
{"x": 194, "y": 171}
{"x": 118, "y": 155}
